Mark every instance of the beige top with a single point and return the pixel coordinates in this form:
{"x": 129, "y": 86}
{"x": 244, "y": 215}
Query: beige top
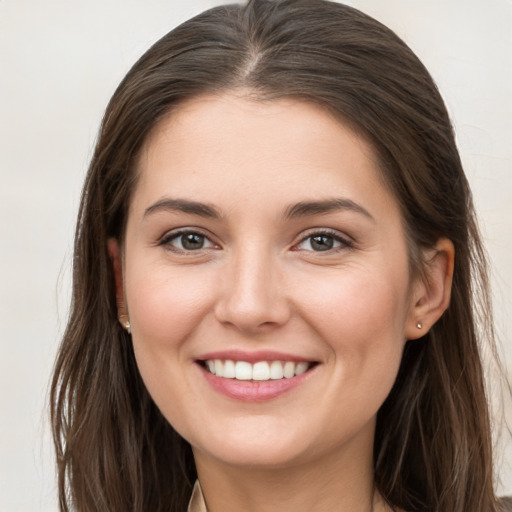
{"x": 197, "y": 503}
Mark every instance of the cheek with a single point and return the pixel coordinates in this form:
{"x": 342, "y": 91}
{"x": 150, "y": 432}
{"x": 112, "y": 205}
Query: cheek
{"x": 165, "y": 305}
{"x": 362, "y": 319}
{"x": 361, "y": 315}
{"x": 165, "y": 309}
{"x": 360, "y": 301}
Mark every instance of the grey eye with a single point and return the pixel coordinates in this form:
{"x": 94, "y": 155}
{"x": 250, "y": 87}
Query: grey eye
{"x": 190, "y": 241}
{"x": 320, "y": 242}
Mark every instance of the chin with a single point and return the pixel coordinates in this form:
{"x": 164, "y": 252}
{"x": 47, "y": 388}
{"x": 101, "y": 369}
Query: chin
{"x": 259, "y": 446}
{"x": 253, "y": 455}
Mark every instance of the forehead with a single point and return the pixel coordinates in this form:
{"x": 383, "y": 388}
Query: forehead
{"x": 218, "y": 148}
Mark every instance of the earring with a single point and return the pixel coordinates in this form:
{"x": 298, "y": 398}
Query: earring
{"x": 419, "y": 325}
{"x": 127, "y": 326}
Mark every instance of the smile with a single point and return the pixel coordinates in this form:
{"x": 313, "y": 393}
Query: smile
{"x": 258, "y": 371}
{"x": 255, "y": 376}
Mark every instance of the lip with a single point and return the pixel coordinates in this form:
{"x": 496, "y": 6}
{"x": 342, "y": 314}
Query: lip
{"x": 254, "y": 357}
{"x": 253, "y": 391}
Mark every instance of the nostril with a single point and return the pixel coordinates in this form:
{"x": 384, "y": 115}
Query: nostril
{"x": 251, "y": 315}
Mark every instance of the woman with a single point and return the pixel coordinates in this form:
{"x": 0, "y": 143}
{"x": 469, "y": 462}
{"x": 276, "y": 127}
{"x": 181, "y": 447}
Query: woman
{"x": 276, "y": 262}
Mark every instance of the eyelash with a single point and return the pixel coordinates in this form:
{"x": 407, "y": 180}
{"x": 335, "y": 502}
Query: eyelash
{"x": 328, "y": 233}
{"x": 176, "y": 235}
{"x": 343, "y": 242}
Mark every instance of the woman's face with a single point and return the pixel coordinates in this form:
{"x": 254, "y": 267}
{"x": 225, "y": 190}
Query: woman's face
{"x": 262, "y": 245}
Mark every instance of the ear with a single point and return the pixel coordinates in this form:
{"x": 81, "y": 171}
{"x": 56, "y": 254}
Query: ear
{"x": 114, "y": 252}
{"x": 432, "y": 289}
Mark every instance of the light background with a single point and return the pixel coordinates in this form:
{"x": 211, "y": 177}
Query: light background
{"x": 60, "y": 61}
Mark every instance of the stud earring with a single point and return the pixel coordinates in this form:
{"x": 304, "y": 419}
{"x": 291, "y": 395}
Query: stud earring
{"x": 127, "y": 326}
{"x": 419, "y": 325}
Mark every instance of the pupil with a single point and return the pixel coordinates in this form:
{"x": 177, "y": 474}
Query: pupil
{"x": 192, "y": 241}
{"x": 322, "y": 243}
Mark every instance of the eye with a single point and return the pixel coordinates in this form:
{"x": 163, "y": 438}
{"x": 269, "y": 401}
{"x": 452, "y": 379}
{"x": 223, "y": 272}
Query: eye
{"x": 187, "y": 241}
{"x": 322, "y": 242}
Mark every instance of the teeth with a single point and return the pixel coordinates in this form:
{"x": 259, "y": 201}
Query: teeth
{"x": 262, "y": 370}
{"x": 229, "y": 369}
{"x": 276, "y": 370}
{"x": 289, "y": 370}
{"x": 243, "y": 371}
{"x": 301, "y": 368}
{"x": 211, "y": 366}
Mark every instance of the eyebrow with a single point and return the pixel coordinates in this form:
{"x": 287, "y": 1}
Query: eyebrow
{"x": 185, "y": 206}
{"x": 310, "y": 208}
{"x": 301, "y": 209}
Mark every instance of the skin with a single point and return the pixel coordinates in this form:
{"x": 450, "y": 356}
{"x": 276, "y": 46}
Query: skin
{"x": 259, "y": 284}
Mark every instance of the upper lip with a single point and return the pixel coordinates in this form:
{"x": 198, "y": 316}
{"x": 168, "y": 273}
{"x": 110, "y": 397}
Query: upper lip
{"x": 253, "y": 357}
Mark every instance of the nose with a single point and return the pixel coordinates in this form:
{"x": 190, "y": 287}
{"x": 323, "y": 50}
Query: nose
{"x": 252, "y": 297}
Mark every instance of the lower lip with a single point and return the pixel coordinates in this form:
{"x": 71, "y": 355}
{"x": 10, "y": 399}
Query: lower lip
{"x": 254, "y": 390}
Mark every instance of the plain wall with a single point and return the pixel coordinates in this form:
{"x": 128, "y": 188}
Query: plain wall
{"x": 60, "y": 61}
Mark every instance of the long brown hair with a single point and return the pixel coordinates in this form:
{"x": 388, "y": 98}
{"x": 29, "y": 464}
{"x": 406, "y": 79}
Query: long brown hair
{"x": 433, "y": 452}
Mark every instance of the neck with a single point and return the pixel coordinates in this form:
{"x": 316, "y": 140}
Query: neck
{"x": 341, "y": 481}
